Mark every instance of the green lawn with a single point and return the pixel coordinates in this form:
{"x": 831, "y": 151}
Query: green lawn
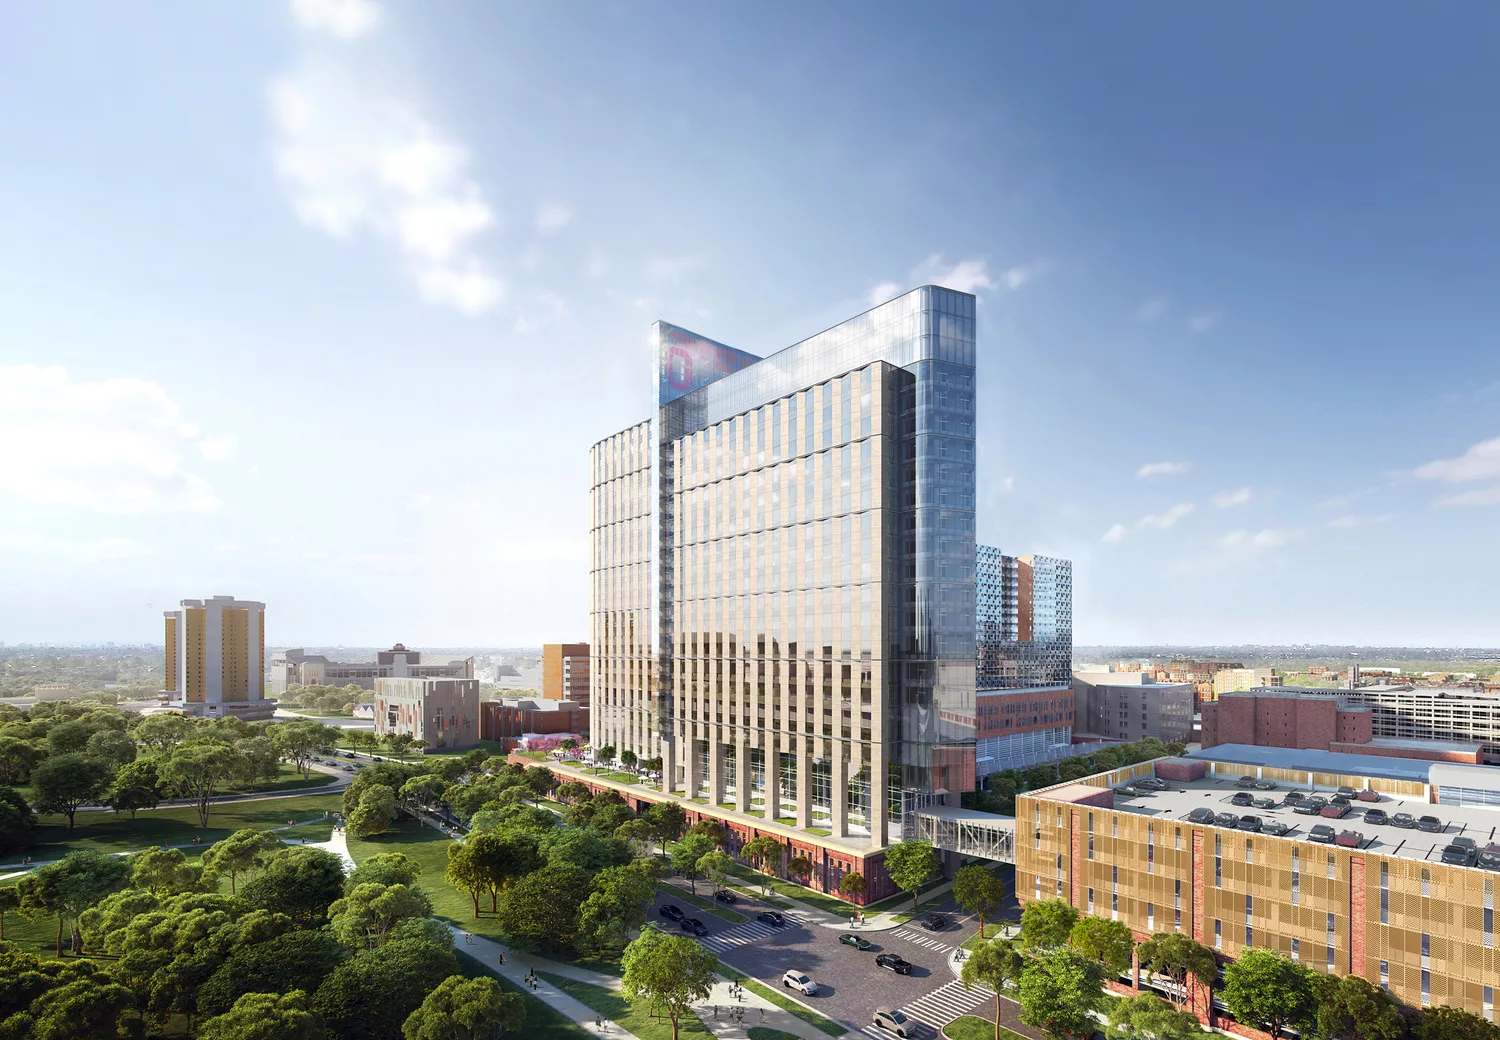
{"x": 109, "y": 831}
{"x": 762, "y": 1033}
{"x": 971, "y": 1028}
{"x": 717, "y": 909}
{"x": 542, "y": 1022}
{"x": 922, "y": 908}
{"x": 633, "y": 1015}
{"x": 991, "y": 929}
{"x": 622, "y": 778}
{"x": 807, "y": 1015}
{"x": 792, "y": 890}
{"x": 754, "y": 893}
{"x": 494, "y": 747}
{"x": 288, "y": 780}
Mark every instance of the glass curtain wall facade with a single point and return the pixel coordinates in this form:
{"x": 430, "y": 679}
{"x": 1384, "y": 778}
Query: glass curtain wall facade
{"x": 1023, "y": 620}
{"x": 808, "y": 567}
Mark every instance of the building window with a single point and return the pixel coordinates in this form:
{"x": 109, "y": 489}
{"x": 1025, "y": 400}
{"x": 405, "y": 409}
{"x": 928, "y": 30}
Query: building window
{"x": 1177, "y": 905}
{"x": 1426, "y": 944}
{"x": 1249, "y": 845}
{"x": 1218, "y": 935}
{"x": 1249, "y": 932}
{"x": 1385, "y": 975}
{"x": 1489, "y": 1003}
{"x": 1330, "y": 960}
{"x": 1091, "y": 846}
{"x": 1385, "y": 893}
{"x": 1218, "y": 861}
{"x": 1331, "y": 872}
{"x": 1091, "y": 900}
{"x": 1296, "y": 878}
{"x": 1426, "y": 987}
{"x": 1039, "y": 886}
{"x": 1177, "y": 839}
{"x": 1297, "y": 949}
{"x": 1489, "y": 913}
{"x": 1426, "y": 883}
{"x": 1150, "y": 917}
{"x": 1151, "y": 848}
{"x": 1114, "y": 826}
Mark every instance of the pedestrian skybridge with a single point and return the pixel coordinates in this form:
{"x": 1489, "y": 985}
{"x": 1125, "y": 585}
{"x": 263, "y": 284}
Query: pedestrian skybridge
{"x": 968, "y": 832}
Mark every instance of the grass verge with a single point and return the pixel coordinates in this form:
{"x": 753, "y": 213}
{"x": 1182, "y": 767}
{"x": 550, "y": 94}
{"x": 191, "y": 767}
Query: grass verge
{"x": 782, "y": 1001}
{"x": 763, "y": 1033}
{"x": 717, "y": 909}
{"x": 971, "y": 1027}
{"x": 991, "y": 929}
{"x": 634, "y": 1015}
{"x": 622, "y": 778}
{"x": 794, "y": 891}
{"x": 922, "y": 908}
{"x": 542, "y": 1021}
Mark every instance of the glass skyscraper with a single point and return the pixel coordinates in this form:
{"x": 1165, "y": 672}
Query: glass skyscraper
{"x": 783, "y": 571}
{"x": 1023, "y": 620}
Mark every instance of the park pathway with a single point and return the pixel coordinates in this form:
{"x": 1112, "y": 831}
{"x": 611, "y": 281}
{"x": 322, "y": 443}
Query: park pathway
{"x": 717, "y": 1012}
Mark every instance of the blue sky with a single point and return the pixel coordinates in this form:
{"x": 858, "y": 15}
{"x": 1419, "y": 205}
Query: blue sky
{"x": 323, "y": 302}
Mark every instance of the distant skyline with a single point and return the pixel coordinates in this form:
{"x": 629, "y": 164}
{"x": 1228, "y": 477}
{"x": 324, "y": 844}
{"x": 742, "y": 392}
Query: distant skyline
{"x": 322, "y": 303}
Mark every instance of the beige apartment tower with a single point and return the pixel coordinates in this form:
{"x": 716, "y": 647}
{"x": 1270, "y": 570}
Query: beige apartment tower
{"x": 216, "y": 658}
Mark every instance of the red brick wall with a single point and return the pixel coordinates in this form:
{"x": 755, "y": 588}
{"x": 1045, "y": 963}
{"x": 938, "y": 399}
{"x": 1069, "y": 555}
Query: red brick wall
{"x": 1181, "y": 770}
{"x": 1210, "y": 733}
{"x": 1356, "y": 727}
{"x": 1024, "y": 712}
{"x": 1427, "y": 754}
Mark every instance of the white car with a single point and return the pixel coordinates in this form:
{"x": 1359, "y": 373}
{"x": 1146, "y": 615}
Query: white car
{"x": 798, "y": 981}
{"x": 892, "y": 1021}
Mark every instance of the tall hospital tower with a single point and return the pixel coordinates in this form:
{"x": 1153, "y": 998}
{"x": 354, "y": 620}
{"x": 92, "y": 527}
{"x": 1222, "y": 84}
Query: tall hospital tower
{"x": 783, "y": 573}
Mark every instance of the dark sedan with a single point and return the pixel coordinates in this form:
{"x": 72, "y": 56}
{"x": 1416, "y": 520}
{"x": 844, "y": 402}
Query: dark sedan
{"x": 935, "y": 922}
{"x": 1431, "y": 824}
{"x": 1377, "y": 817}
{"x": 893, "y": 962}
{"x": 670, "y": 912}
{"x": 723, "y": 895}
{"x": 1249, "y": 823}
{"x": 1242, "y": 798}
{"x": 693, "y": 925}
{"x": 1201, "y": 815}
{"x": 1226, "y": 819}
{"x": 770, "y": 917}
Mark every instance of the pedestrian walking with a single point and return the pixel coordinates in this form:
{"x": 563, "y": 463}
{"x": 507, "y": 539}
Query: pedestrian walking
{"x": 502, "y": 957}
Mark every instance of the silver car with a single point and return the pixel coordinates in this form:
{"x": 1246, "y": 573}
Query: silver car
{"x": 893, "y": 1022}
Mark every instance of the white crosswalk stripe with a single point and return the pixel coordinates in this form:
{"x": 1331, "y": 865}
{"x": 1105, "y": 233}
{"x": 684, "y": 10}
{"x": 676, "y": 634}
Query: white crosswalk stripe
{"x": 743, "y": 934}
{"x": 919, "y": 939}
{"x": 946, "y": 1003}
{"x": 914, "y": 1031}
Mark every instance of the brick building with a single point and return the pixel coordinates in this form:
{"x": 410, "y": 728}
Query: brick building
{"x": 509, "y": 722}
{"x": 565, "y": 672}
{"x": 1317, "y": 722}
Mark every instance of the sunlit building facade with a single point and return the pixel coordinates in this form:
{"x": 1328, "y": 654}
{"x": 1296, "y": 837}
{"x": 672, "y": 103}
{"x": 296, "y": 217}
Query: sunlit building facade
{"x": 783, "y": 571}
{"x": 216, "y": 658}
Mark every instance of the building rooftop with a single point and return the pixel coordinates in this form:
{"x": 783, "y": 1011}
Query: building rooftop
{"x": 1318, "y": 761}
{"x": 1214, "y": 792}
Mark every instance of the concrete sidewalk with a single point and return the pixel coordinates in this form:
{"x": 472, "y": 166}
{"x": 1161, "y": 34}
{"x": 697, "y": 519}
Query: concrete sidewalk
{"x": 517, "y": 964}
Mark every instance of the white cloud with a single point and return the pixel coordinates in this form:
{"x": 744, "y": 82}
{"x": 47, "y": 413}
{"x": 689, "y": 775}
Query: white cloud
{"x": 1203, "y": 321}
{"x": 598, "y": 265}
{"x": 1351, "y": 522}
{"x": 358, "y": 158}
{"x": 1152, "y": 309}
{"x": 1249, "y": 541}
{"x": 551, "y": 218}
{"x": 1161, "y": 521}
{"x": 883, "y": 292}
{"x": 220, "y": 448}
{"x": 1477, "y": 497}
{"x": 346, "y": 19}
{"x": 93, "y": 550}
{"x": 1115, "y": 534}
{"x": 548, "y": 305}
{"x": 966, "y": 276}
{"x": 468, "y": 290}
{"x": 1481, "y": 462}
{"x": 1230, "y": 499}
{"x": 227, "y": 547}
{"x": 112, "y": 445}
{"x": 1008, "y": 484}
{"x": 1162, "y": 469}
{"x": 1017, "y": 276}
